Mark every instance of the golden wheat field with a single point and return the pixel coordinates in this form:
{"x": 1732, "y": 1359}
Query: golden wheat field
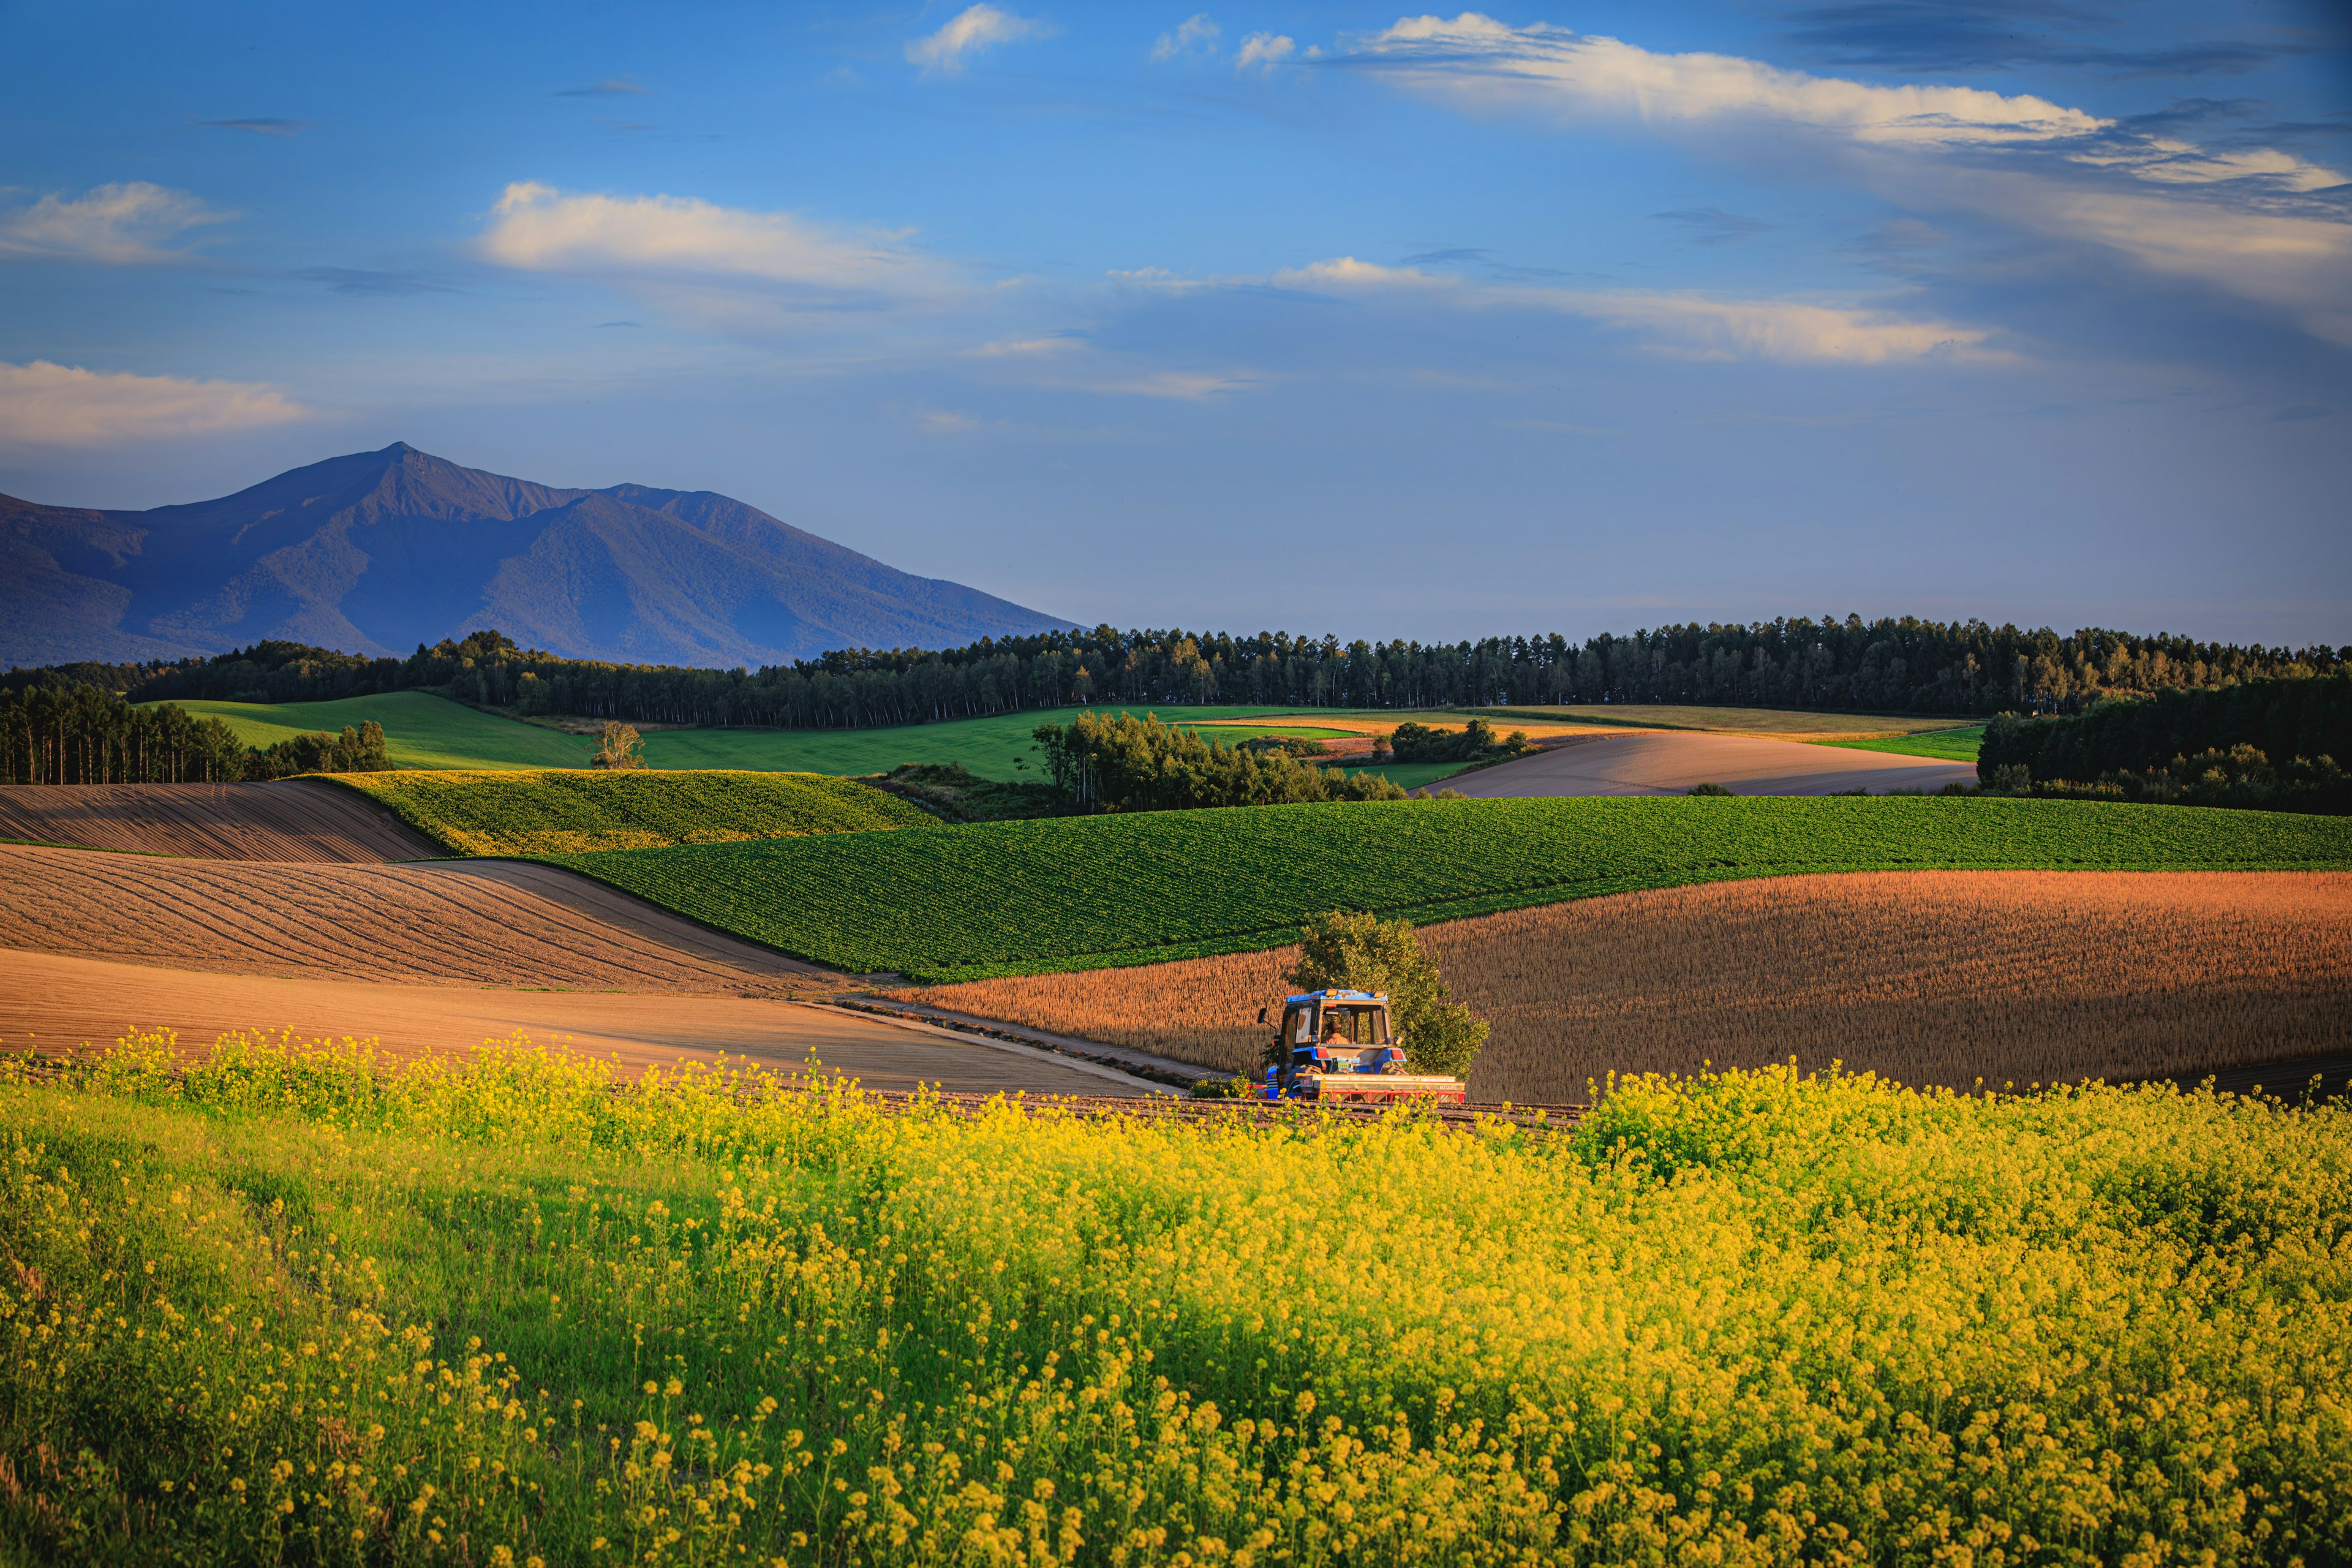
{"x": 1924, "y": 976}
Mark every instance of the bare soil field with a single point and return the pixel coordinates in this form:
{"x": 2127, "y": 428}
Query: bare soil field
{"x": 487, "y": 922}
{"x": 1925, "y": 977}
{"x": 294, "y": 819}
{"x": 57, "y": 1004}
{"x": 1659, "y": 761}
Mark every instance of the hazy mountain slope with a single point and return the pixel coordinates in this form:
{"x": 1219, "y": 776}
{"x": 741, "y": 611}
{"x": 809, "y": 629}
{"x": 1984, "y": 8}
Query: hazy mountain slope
{"x": 377, "y": 552}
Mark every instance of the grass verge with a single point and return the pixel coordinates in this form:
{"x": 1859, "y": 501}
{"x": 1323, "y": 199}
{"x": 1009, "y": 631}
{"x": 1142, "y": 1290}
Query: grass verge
{"x": 581, "y": 810}
{"x": 962, "y": 903}
{"x": 287, "y": 1309}
{"x": 1946, "y": 745}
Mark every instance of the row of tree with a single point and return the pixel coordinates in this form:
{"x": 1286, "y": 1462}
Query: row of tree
{"x": 81, "y": 734}
{"x": 1116, "y": 761}
{"x": 1891, "y": 665}
{"x": 2268, "y": 742}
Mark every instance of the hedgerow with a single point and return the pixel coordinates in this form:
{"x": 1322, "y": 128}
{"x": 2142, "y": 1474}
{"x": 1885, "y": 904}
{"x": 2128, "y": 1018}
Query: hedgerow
{"x": 292, "y": 1308}
{"x": 947, "y": 904}
{"x": 554, "y": 811}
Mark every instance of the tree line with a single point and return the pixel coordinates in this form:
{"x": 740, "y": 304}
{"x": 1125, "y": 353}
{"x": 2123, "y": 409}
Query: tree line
{"x": 81, "y": 734}
{"x": 1116, "y": 761}
{"x": 1909, "y": 665}
{"x": 2272, "y": 743}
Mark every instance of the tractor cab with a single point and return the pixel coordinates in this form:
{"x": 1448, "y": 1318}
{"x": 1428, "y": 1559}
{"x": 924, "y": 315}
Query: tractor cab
{"x": 1338, "y": 1045}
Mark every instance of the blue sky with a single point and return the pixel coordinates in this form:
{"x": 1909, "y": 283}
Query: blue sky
{"x": 1319, "y": 317}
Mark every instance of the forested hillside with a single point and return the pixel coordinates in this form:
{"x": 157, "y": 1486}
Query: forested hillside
{"x": 1885, "y": 665}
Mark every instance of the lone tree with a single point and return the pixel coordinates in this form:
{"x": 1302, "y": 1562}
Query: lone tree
{"x": 1349, "y": 952}
{"x": 620, "y": 747}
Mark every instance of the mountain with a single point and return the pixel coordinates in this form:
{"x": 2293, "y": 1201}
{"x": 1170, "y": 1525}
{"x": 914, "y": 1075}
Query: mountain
{"x": 378, "y": 552}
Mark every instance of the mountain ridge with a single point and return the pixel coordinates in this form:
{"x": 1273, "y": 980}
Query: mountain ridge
{"x": 376, "y": 551}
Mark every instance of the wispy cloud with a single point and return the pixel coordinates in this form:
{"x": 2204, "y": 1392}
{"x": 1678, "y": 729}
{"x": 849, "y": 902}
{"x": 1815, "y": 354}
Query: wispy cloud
{"x": 975, "y": 28}
{"x": 133, "y": 224}
{"x": 2241, "y": 219}
{"x": 259, "y": 127}
{"x": 1685, "y": 324}
{"x": 1477, "y": 61}
{"x": 611, "y": 87}
{"x": 45, "y": 405}
{"x": 680, "y": 240}
{"x": 1264, "y": 51}
{"x": 1195, "y": 35}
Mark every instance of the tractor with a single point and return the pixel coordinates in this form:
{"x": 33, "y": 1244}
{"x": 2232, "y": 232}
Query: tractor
{"x": 1337, "y": 1045}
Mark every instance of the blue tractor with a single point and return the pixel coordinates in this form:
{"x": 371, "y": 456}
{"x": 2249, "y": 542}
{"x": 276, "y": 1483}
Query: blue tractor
{"x": 1338, "y": 1046}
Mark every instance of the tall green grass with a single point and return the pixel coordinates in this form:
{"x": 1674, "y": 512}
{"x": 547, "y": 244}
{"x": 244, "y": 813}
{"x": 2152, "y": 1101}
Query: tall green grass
{"x": 291, "y": 1308}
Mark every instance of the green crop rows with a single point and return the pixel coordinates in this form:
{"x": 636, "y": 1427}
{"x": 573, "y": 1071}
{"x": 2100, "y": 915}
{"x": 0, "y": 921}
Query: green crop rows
{"x": 573, "y": 811}
{"x": 1080, "y": 892}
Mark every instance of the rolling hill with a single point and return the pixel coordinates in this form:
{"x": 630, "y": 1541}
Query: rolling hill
{"x": 377, "y": 552}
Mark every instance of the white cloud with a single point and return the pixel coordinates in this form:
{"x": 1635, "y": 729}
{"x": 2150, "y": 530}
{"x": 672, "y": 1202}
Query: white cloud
{"x": 1264, "y": 50}
{"x": 49, "y": 405}
{"x": 1687, "y": 324}
{"x": 972, "y": 30}
{"x": 682, "y": 241}
{"x": 1482, "y": 62}
{"x": 2232, "y": 220}
{"x": 1194, "y": 35}
{"x": 123, "y": 224}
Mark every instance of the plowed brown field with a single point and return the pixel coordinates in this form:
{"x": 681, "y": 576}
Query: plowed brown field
{"x": 1925, "y": 977}
{"x": 57, "y": 1004}
{"x": 295, "y": 819}
{"x": 484, "y": 922}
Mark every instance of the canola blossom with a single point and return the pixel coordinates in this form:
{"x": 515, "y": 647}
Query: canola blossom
{"x": 300, "y": 1304}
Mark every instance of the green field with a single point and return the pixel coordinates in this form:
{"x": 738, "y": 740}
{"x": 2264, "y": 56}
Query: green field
{"x": 573, "y": 811}
{"x": 420, "y": 731}
{"x": 302, "y": 1307}
{"x": 948, "y": 903}
{"x": 1949, "y": 746}
{"x": 998, "y": 747}
{"x": 1728, "y": 721}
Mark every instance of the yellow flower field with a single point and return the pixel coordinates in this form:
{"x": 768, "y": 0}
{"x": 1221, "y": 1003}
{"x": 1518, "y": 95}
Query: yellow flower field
{"x": 293, "y": 1305}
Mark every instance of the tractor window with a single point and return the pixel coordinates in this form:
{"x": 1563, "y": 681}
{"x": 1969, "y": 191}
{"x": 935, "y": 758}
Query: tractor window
{"x": 1354, "y": 1026}
{"x": 1300, "y": 1026}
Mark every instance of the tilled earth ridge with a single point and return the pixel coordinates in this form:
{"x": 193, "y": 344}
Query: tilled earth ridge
{"x": 453, "y": 922}
{"x": 1928, "y": 976}
{"x": 290, "y": 820}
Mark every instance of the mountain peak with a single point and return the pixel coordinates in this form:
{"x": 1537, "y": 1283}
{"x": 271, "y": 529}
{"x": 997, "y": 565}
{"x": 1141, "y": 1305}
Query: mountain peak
{"x": 376, "y": 551}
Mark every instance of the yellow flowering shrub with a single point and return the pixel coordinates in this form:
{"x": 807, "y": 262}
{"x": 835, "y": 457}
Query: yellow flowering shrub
{"x": 298, "y": 1304}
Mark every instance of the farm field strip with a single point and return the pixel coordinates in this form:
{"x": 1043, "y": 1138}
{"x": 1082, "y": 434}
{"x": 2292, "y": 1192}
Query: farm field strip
{"x": 490, "y": 922}
{"x": 288, "y": 820}
{"x": 421, "y": 731}
{"x": 1923, "y": 977}
{"x": 582, "y": 811}
{"x": 1043, "y": 895}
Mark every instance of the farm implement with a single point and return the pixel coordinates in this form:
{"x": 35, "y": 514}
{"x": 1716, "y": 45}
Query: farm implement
{"x": 1336, "y": 1047}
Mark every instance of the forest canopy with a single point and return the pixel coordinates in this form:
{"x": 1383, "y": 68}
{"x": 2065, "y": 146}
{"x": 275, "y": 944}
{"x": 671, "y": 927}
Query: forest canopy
{"x": 1903, "y": 664}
